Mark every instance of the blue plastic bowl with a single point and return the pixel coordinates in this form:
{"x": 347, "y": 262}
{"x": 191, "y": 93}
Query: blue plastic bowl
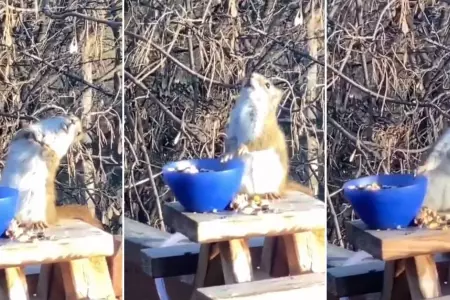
{"x": 387, "y": 208}
{"x": 205, "y": 191}
{"x": 9, "y": 202}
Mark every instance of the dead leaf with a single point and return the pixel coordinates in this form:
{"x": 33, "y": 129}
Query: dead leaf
{"x": 299, "y": 17}
{"x": 232, "y": 9}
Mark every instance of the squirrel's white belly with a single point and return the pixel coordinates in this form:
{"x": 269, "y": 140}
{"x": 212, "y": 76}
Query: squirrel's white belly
{"x": 438, "y": 190}
{"x": 26, "y": 171}
{"x": 264, "y": 172}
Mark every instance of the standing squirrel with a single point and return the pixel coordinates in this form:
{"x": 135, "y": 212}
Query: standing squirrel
{"x": 31, "y": 166}
{"x": 437, "y": 169}
{"x": 254, "y": 134}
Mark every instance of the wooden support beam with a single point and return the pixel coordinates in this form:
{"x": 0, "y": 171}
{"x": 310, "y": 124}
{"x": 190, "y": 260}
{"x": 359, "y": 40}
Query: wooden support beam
{"x": 236, "y": 261}
{"x": 16, "y": 283}
{"x": 422, "y": 277}
{"x": 305, "y": 252}
{"x": 87, "y": 279}
{"x": 115, "y": 266}
{"x": 44, "y": 281}
{"x": 182, "y": 259}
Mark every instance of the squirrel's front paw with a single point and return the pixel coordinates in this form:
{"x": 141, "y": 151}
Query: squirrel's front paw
{"x": 242, "y": 150}
{"x": 13, "y": 231}
{"x": 226, "y": 157}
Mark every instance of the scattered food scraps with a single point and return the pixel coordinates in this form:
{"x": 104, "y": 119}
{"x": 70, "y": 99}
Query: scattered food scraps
{"x": 371, "y": 187}
{"x": 21, "y": 234}
{"x": 251, "y": 205}
{"x": 428, "y": 218}
{"x": 188, "y": 168}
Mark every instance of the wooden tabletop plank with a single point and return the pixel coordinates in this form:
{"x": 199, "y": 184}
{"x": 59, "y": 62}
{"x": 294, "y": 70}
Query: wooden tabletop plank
{"x": 140, "y": 236}
{"x": 297, "y": 213}
{"x": 308, "y": 286}
{"x": 71, "y": 240}
{"x": 396, "y": 244}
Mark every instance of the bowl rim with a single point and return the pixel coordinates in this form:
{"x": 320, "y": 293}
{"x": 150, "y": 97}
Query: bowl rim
{"x": 167, "y": 165}
{"x": 419, "y": 178}
{"x": 346, "y": 190}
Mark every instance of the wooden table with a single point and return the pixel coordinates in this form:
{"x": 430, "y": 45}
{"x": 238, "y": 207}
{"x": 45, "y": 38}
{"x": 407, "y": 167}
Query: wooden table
{"x": 296, "y": 229}
{"x": 410, "y": 249}
{"x": 74, "y": 249}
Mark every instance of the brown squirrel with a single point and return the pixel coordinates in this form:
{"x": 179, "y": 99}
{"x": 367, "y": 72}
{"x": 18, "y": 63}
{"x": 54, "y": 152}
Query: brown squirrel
{"x": 31, "y": 166}
{"x": 437, "y": 169}
{"x": 254, "y": 134}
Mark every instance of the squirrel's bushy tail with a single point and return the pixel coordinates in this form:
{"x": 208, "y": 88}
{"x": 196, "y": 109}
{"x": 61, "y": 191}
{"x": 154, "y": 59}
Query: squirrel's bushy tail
{"x": 78, "y": 212}
{"x": 294, "y": 186}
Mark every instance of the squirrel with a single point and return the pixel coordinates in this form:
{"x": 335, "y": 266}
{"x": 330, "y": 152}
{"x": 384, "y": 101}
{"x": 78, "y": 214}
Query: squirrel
{"x": 437, "y": 170}
{"x": 253, "y": 133}
{"x": 31, "y": 166}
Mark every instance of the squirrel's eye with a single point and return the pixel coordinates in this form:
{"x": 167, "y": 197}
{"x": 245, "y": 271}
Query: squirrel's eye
{"x": 268, "y": 85}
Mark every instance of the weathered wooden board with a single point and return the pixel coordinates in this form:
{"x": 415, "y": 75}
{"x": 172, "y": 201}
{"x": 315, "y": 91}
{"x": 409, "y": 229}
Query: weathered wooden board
{"x": 182, "y": 259}
{"x": 336, "y": 255}
{"x": 236, "y": 261}
{"x": 178, "y": 259}
{"x": 298, "y": 213}
{"x": 16, "y": 283}
{"x": 422, "y": 275}
{"x": 71, "y": 240}
{"x": 140, "y": 236}
{"x": 397, "y": 244}
{"x": 308, "y": 286}
{"x": 364, "y": 278}
{"x": 354, "y": 280}
{"x": 115, "y": 266}
{"x": 87, "y": 279}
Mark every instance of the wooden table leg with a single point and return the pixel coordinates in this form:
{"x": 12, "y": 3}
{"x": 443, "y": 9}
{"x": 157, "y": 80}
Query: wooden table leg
{"x": 202, "y": 265}
{"x": 422, "y": 277}
{"x": 268, "y": 253}
{"x": 16, "y": 284}
{"x": 395, "y": 284}
{"x": 208, "y": 269}
{"x": 236, "y": 261}
{"x": 44, "y": 281}
{"x": 388, "y": 280}
{"x": 115, "y": 266}
{"x": 273, "y": 257}
{"x": 305, "y": 252}
{"x": 87, "y": 279}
